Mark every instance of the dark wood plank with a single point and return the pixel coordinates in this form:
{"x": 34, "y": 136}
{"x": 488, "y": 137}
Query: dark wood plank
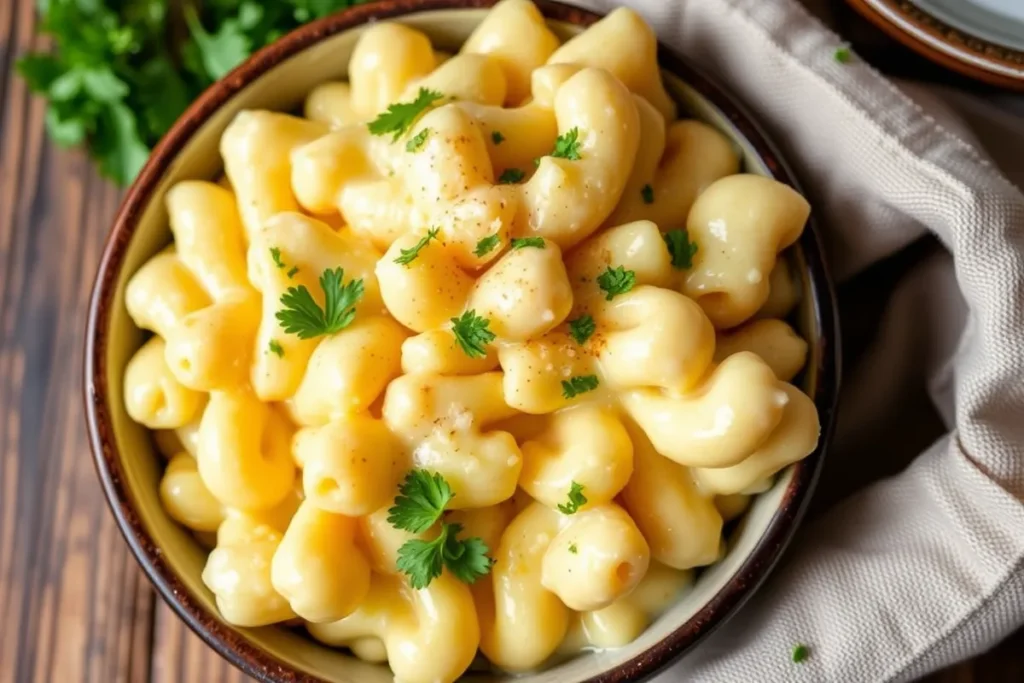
{"x": 179, "y": 655}
{"x": 73, "y": 603}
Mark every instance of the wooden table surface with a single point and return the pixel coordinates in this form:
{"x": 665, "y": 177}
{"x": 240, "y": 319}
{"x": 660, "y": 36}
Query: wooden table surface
{"x": 73, "y": 604}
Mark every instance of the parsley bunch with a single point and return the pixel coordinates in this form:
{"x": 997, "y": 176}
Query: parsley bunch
{"x": 122, "y": 72}
{"x": 419, "y": 505}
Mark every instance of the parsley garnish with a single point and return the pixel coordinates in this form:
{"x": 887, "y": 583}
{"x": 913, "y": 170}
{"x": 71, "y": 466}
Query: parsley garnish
{"x": 573, "y": 549}
{"x": 580, "y": 384}
{"x": 276, "y": 349}
{"x": 567, "y": 146}
{"x": 800, "y": 653}
{"x": 510, "y": 176}
{"x": 275, "y": 254}
{"x": 647, "y": 192}
{"x": 576, "y": 500}
{"x": 122, "y": 72}
{"x": 581, "y": 328}
{"x": 410, "y": 254}
{"x": 421, "y": 502}
{"x": 291, "y": 273}
{"x": 400, "y": 116}
{"x": 681, "y": 248}
{"x": 497, "y": 137}
{"x": 523, "y": 242}
{"x": 842, "y": 54}
{"x": 615, "y": 281}
{"x": 417, "y": 141}
{"x": 484, "y": 246}
{"x": 303, "y": 317}
{"x": 471, "y": 333}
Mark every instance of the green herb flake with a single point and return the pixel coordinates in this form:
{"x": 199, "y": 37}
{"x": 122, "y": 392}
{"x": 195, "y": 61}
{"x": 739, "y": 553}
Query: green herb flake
{"x": 292, "y": 272}
{"x": 576, "y": 500}
{"x": 487, "y": 244}
{"x": 616, "y": 281}
{"x": 409, "y": 255}
{"x": 524, "y": 242}
{"x": 567, "y": 145}
{"x": 471, "y": 333}
{"x": 582, "y": 328}
{"x": 497, "y": 137}
{"x": 800, "y": 653}
{"x": 275, "y": 254}
{"x": 681, "y": 249}
{"x": 417, "y": 141}
{"x": 580, "y": 384}
{"x": 511, "y": 176}
{"x": 275, "y": 348}
{"x": 401, "y": 116}
{"x": 647, "y": 193}
{"x": 573, "y": 549}
{"x": 842, "y": 54}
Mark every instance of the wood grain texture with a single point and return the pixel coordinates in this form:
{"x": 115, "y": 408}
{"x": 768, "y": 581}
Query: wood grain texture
{"x": 73, "y": 604}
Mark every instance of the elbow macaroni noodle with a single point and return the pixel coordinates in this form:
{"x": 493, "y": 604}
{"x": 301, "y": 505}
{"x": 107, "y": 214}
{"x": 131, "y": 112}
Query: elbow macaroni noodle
{"x": 616, "y": 404}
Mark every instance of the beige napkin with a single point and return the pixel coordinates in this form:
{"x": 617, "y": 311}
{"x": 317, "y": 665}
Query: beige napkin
{"x": 923, "y": 567}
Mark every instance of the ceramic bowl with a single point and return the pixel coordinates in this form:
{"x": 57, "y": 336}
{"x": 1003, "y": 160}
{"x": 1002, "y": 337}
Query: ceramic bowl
{"x": 129, "y": 466}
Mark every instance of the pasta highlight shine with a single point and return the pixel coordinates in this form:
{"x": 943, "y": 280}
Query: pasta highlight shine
{"x": 514, "y": 270}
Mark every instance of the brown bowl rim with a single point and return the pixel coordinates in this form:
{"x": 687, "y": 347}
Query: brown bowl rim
{"x": 224, "y": 639}
{"x": 947, "y": 45}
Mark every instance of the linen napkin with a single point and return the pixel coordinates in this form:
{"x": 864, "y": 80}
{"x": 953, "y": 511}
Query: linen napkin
{"x": 923, "y": 567}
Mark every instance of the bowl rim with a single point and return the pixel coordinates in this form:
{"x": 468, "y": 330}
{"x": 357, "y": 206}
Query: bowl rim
{"x": 226, "y": 640}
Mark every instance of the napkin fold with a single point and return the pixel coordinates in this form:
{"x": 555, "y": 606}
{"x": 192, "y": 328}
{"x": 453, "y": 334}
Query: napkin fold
{"x": 923, "y": 565}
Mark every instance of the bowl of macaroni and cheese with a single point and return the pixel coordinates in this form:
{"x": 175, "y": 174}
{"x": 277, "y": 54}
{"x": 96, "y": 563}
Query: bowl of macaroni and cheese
{"x": 461, "y": 340}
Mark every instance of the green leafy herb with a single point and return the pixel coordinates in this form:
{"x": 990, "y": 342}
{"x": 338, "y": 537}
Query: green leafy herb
{"x": 580, "y": 384}
{"x": 303, "y": 317}
{"x": 582, "y": 328}
{"x": 409, "y": 255}
{"x": 576, "y": 500}
{"x": 292, "y": 271}
{"x": 523, "y": 242}
{"x": 615, "y": 281}
{"x": 417, "y": 141}
{"x": 402, "y": 115}
{"x": 487, "y": 244}
{"x": 420, "y": 502}
{"x": 567, "y": 146}
{"x": 471, "y": 333}
{"x": 276, "y": 349}
{"x": 680, "y": 248}
{"x": 647, "y": 193}
{"x": 573, "y": 549}
{"x": 123, "y": 71}
{"x": 422, "y": 561}
{"x": 497, "y": 137}
{"x": 842, "y": 54}
{"x": 800, "y": 653}
{"x": 275, "y": 254}
{"x": 510, "y": 176}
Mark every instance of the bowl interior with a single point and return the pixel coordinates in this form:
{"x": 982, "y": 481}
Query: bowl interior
{"x": 283, "y": 87}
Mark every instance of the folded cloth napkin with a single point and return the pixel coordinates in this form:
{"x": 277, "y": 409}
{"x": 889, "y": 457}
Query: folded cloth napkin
{"x": 923, "y": 567}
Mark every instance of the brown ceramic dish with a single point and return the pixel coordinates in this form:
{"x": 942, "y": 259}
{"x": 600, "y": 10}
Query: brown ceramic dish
{"x": 955, "y": 44}
{"x": 129, "y": 468}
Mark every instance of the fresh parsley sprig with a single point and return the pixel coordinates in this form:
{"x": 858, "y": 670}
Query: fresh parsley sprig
{"x": 576, "y": 500}
{"x": 422, "y": 499}
{"x": 680, "y": 248}
{"x": 471, "y": 333}
{"x": 121, "y": 72}
{"x": 417, "y": 141}
{"x": 567, "y": 145}
{"x": 407, "y": 256}
{"x": 487, "y": 245}
{"x": 582, "y": 328}
{"x": 400, "y": 116}
{"x": 303, "y": 317}
{"x": 524, "y": 242}
{"x": 580, "y": 384}
{"x": 616, "y": 281}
